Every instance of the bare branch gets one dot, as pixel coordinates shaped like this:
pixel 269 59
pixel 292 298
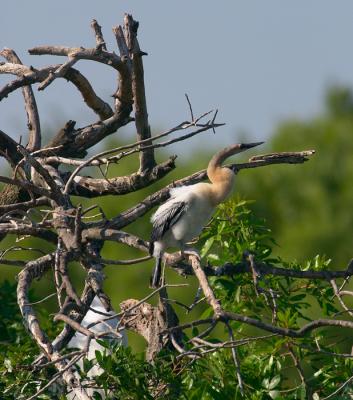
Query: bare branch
pixel 93 101
pixel 101 45
pixel 125 262
pixel 33 122
pixel 26 205
pixel 35 270
pixel 8 149
pixel 75 325
pixel 190 107
pixel 91 187
pixel 115 235
pixel 300 370
pixel 27 186
pixel 236 360
pixel 299 333
pixel 121 42
pixel 135 149
pixel 79 53
pixel 338 295
pixel 339 389
pixel 143 130
pixel 124 93
pixel 209 294
pixel 269 269
pixel 56 192
pixel 27 76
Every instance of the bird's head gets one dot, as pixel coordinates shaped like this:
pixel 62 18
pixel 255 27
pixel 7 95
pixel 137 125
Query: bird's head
pixel 215 165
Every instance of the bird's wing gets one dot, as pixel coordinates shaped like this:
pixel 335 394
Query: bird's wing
pixel 165 217
pixel 181 191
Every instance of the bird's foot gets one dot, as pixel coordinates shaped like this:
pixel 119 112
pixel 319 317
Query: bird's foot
pixel 191 252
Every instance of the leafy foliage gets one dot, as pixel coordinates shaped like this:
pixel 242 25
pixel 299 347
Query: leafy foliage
pixel 271 366
pixel 17 349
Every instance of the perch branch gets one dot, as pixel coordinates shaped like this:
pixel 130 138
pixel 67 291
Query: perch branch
pixel 207 290
pixel 130 215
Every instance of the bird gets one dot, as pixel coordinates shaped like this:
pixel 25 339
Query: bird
pixel 182 217
pixel 95 314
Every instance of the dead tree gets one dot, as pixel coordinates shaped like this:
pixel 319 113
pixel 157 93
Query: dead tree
pixel 37 180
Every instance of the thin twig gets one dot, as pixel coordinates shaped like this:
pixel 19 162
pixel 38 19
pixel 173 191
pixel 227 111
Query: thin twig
pixel 339 298
pixel 125 262
pixel 56 377
pixel 236 360
pixel 190 107
pixel 42 300
pixel 136 147
pixel 339 389
pixel 128 311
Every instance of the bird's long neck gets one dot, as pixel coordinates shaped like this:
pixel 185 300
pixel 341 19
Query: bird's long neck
pixel 222 186
pixel 222 178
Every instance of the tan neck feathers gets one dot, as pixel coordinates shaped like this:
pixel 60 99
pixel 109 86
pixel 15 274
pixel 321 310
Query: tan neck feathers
pixel 222 178
pixel 216 161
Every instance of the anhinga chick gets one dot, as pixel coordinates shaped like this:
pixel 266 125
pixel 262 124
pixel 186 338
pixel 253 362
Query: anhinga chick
pixel 189 208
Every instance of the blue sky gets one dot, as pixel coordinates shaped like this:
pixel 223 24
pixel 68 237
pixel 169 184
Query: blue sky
pixel 257 61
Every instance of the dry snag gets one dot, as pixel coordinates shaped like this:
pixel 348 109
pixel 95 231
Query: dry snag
pixel 38 180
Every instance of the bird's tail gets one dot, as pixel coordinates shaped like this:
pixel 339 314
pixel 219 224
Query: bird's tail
pixel 155 281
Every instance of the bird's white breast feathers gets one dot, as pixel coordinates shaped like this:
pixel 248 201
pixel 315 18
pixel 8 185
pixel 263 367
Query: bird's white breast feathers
pixel 198 210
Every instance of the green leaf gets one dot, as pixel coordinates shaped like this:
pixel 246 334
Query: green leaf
pixel 274 394
pixel 99 358
pixel 8 365
pixel 298 297
pixel 274 382
pixel 265 383
pixel 206 247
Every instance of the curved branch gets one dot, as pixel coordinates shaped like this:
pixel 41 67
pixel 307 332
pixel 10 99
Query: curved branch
pixel 28 76
pixel 33 122
pixel 94 102
pixel 34 270
pixel 91 187
pixel 295 333
pixel 124 93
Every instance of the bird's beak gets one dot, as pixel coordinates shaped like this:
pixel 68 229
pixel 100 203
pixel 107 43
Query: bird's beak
pixel 243 147
pixel 246 146
pixel 233 168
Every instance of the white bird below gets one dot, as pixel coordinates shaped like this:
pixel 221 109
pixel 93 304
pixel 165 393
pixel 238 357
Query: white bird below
pixel 96 313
